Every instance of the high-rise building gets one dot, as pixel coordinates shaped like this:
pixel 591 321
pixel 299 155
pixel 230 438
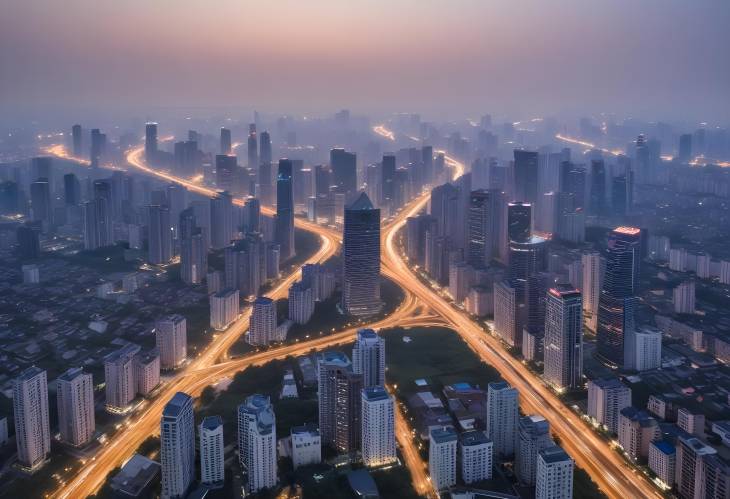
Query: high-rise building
pixel 30 410
pixel 253 151
pixel 617 300
pixel 644 351
pixel 378 427
pixel 265 148
pixel 212 459
pixel 691 451
pixel 663 461
pixel 221 220
pixel 606 399
pixel 226 172
pixel 98 147
pixel 636 430
pixel 177 446
pixel 160 233
pixel 368 358
pixel 224 308
pixel 71 190
pixel 262 328
pixel 508 318
pixel 119 378
pixel 40 201
pixel 361 258
pixel 442 457
pixel 171 338
pixel 301 303
pixel 481 232
pixel 476 456
pixel 150 142
pixel 554 479
pixel 257 442
pixel 525 176
pixel 563 338
pixel 285 210
pixel 226 141
pixel 147 371
pixel 193 248
pixel 592 265
pixel 534 436
pixel 75 397
pixel 683 297
pixel 598 187
pixel 339 402
pixel 97 224
pixel 344 171
pixel 502 417
pixel 306 445
pixel 77 140
pixel 685 148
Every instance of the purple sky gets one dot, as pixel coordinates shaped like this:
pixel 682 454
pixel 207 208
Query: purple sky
pixel 663 59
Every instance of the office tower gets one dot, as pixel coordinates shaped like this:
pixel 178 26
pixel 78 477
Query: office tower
pixel 387 172
pixel 617 300
pixel 119 378
pixel 146 371
pixel 344 171
pixel 226 171
pixel 224 308
pixel 150 142
pixel 685 148
pixel 378 427
pixel 645 349
pixel 98 146
pixel 30 411
pixel 534 436
pixel 476 456
pixel 563 338
pixel 606 399
pixel 71 190
pixel 301 303
pixel 592 265
pixel 427 163
pixel 636 430
pixel 285 210
pixel 160 234
pixel 212 459
pixel 40 201
pixel 519 222
pixel 480 231
pixel 265 147
pixel 29 246
pixel 620 195
pixel 221 220
pixel 193 248
pixel 502 417
pixel 663 461
pixel 262 328
pixel 507 314
pixel 598 187
pixel 554 479
pixel 339 402
pixel 97 224
pixel 361 259
pixel 177 446
pixel 573 184
pixel 306 445
pixel 253 151
pixel 525 176
pixel 442 457
pixel 368 358
pixel 226 141
pixel 257 442
pixel 75 397
pixel 171 338
pixel 77 140
pixel 691 451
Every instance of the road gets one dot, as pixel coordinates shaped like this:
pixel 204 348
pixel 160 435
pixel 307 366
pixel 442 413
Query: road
pixel 605 466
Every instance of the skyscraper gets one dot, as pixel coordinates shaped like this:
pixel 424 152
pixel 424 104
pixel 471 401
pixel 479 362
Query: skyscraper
pixel 563 338
pixel 71 190
pixel 98 147
pixel 685 148
pixel 75 398
pixel 119 378
pixel 150 142
pixel 554 478
pixel 481 235
pixel 592 264
pixel 224 308
pixel 160 234
pixel 525 176
pixel 77 140
pixel 262 329
pixel 519 222
pixel 226 171
pixel 97 224
pixel 476 456
pixel 301 303
pixel 344 171
pixel 502 417
pixel 212 470
pixel 177 446
pixel 378 427
pixel 339 402
pixel 606 399
pixel 617 300
pixel 534 436
pixel 368 358
pixel 508 314
pixel 285 210
pixel 40 201
pixel 253 151
pixel 361 258
pixel 30 410
pixel 265 147
pixel 171 340
pixel 225 141
pixel 598 187
pixel 193 248
pixel 221 220
pixel 257 442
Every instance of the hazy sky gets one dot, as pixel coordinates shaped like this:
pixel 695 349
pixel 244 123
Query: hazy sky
pixel 650 58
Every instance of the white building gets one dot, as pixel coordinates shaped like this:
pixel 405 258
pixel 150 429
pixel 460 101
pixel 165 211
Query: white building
pixel 476 456
pixel 554 479
pixel 212 470
pixel 502 417
pixel 563 346
pixel 320 279
pixel 147 371
pixel 704 261
pixel 442 457
pixel 171 338
pixel 480 301
pixel 262 327
pixel 75 397
pixel 646 351
pixel 30 410
pixel 378 427
pixel 678 259
pixel 368 358
pixel 257 442
pixel 506 324
pixel 461 276
pixel 121 386
pixel 636 430
pixel 289 387
pixel 692 423
pixel 177 446
pixel 224 307
pixel 301 303
pixel 593 266
pixel 606 399
pixel 31 274
pixel 306 445
pixel 684 298
pixel 534 436
pixel 662 461
pixel 725 271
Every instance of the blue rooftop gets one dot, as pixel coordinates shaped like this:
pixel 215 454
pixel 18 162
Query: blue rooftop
pixel 664 447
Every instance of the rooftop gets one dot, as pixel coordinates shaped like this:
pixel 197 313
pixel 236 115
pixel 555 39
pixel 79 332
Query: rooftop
pixel 374 393
pixel 664 447
pixel 474 437
pixel 554 454
pixel 444 434
pixel 135 476
pixel 212 422
pixel 177 403
pixel 361 203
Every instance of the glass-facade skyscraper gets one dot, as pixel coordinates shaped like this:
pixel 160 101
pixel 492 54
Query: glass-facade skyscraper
pixel 361 258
